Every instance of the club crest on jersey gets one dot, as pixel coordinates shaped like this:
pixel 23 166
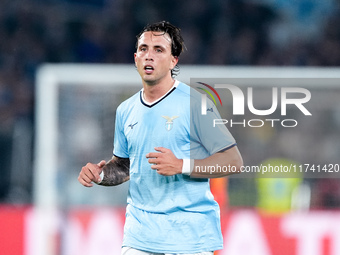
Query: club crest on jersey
pixel 169 122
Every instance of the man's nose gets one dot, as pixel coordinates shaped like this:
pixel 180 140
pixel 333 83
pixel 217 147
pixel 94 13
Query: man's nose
pixel 149 56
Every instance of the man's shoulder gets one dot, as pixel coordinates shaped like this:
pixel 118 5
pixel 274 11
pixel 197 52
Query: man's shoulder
pixel 188 91
pixel 129 102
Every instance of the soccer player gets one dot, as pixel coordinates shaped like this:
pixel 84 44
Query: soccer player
pixel 162 143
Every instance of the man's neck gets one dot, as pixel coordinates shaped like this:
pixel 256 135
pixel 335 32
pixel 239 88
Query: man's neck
pixel 154 92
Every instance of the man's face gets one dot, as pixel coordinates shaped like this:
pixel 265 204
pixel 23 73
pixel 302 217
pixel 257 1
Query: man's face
pixel 153 57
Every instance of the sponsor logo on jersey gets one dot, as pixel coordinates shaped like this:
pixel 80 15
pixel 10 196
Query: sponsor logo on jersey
pixel 132 125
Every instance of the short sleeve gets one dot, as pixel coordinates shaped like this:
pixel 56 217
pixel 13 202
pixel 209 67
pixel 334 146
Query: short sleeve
pixel 213 138
pixel 120 145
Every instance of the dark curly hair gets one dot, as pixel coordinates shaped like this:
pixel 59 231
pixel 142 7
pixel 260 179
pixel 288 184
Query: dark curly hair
pixel 177 42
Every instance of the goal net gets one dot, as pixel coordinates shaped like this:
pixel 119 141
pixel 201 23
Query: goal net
pixel 75 118
pixel 75 114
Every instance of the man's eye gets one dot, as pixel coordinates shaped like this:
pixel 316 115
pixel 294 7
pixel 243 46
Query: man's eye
pixel 158 50
pixel 143 49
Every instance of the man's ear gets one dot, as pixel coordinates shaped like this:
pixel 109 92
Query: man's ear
pixel 174 62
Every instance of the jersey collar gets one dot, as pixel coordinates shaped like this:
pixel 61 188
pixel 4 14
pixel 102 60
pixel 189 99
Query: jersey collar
pixel 150 104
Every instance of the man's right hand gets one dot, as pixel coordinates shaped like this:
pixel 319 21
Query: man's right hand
pixel 90 173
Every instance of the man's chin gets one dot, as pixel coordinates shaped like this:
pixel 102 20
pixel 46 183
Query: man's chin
pixel 149 80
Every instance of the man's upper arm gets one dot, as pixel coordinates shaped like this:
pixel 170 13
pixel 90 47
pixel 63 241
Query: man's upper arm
pixel 120 145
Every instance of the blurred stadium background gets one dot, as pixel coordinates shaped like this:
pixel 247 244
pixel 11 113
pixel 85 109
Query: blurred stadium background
pixel 233 33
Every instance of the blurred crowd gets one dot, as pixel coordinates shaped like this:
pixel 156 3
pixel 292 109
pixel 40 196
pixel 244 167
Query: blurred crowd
pixel 216 32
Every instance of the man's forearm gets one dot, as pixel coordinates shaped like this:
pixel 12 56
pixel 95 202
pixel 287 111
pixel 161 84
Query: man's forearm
pixel 116 171
pixel 229 161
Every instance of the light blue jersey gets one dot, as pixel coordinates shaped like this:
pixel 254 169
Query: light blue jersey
pixel 169 214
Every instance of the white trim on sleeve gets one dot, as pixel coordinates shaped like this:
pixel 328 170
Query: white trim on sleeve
pixel 188 166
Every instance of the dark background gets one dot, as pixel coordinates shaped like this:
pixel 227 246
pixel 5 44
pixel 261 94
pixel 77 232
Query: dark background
pixel 216 32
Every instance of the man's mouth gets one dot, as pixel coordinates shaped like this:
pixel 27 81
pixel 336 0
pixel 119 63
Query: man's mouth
pixel 148 69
